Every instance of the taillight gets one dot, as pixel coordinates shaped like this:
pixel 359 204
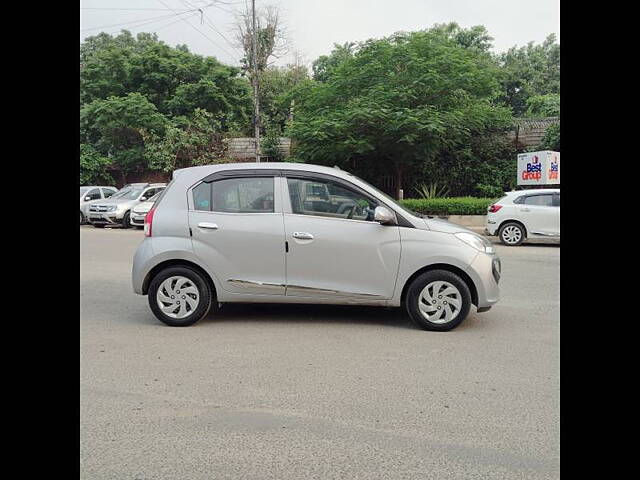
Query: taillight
pixel 494 208
pixel 148 222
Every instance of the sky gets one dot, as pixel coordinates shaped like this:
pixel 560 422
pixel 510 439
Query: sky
pixel 312 27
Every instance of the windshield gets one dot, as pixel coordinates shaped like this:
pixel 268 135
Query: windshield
pixel 83 190
pixel 128 193
pixel 391 200
pixel 155 197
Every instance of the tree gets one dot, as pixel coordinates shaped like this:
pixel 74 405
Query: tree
pixel 175 80
pixel 551 139
pixel 277 87
pixel 399 104
pixel 529 71
pixel 134 85
pixel 543 106
pixel 93 167
pixel 323 66
pixel 186 142
pixel 114 128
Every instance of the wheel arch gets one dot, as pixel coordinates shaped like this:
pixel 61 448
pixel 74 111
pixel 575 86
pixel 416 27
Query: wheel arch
pixel 442 266
pixel 177 262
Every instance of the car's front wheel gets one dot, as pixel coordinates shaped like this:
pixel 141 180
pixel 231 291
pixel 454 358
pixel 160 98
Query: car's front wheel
pixel 438 300
pixel 511 234
pixel 179 296
pixel 126 220
pixel 81 218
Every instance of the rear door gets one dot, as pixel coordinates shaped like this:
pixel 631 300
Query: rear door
pixel 539 215
pixel 335 249
pixel 238 231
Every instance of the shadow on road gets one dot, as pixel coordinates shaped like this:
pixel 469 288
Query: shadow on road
pixel 294 313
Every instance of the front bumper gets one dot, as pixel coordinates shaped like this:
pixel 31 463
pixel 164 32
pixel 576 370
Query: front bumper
pixel 103 218
pixel 485 271
pixel 137 219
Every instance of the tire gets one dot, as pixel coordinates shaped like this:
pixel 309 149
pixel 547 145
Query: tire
pixel 165 284
pixel 419 295
pixel 82 219
pixel 511 234
pixel 126 220
pixel 98 225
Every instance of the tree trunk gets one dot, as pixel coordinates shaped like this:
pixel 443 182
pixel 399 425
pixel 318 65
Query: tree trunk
pixel 398 181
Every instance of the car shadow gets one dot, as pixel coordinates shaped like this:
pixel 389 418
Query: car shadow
pixel 303 313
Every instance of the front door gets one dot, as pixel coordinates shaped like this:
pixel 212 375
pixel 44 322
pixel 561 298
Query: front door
pixel 238 232
pixel 335 249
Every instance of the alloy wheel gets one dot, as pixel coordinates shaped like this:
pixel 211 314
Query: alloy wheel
pixel 178 297
pixel 440 302
pixel 511 234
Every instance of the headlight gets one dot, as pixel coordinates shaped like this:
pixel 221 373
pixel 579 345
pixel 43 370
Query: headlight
pixel 111 208
pixel 476 241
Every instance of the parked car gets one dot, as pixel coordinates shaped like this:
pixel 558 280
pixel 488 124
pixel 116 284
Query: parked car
pixel 525 214
pixel 89 193
pixel 140 211
pixel 252 232
pixel 117 211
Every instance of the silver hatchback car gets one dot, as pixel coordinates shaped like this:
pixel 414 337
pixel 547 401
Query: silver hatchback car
pixel 299 233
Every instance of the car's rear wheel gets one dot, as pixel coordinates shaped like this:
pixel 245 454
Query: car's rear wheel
pixel 511 234
pixel 179 296
pixel 438 300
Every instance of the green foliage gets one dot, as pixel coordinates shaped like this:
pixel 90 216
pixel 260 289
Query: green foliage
pixel 432 190
pixel 114 127
pixel 449 206
pixel 551 140
pixel 543 106
pixel 133 88
pixel 93 167
pixel 405 102
pixel 277 90
pixel 270 144
pixel 325 64
pixel 185 142
pixel 530 71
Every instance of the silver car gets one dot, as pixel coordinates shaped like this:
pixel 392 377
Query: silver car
pixel 117 210
pixel 89 193
pixel 140 211
pixel 299 233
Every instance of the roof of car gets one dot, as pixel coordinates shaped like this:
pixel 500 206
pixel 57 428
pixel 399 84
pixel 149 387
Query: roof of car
pixel 209 169
pixel 533 190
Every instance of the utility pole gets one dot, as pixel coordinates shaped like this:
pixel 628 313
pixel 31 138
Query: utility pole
pixel 256 90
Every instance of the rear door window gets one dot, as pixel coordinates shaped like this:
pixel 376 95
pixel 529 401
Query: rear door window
pixel 235 195
pixel 545 200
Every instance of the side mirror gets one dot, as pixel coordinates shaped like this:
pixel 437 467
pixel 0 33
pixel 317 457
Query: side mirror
pixel 86 199
pixel 384 216
pixel 143 199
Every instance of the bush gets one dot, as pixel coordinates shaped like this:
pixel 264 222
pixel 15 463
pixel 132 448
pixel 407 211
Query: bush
pixel 448 206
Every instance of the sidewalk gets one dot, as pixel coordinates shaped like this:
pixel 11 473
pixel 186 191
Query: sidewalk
pixel 494 239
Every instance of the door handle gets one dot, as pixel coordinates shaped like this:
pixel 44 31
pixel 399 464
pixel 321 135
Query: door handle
pixel 302 236
pixel 210 226
pixel 525 210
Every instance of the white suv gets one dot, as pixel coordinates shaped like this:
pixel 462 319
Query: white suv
pixel 525 214
pixel 299 233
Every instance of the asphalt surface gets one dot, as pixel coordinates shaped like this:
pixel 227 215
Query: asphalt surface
pixel 304 392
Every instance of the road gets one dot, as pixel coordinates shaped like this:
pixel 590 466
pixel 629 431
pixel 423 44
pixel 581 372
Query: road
pixel 304 392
